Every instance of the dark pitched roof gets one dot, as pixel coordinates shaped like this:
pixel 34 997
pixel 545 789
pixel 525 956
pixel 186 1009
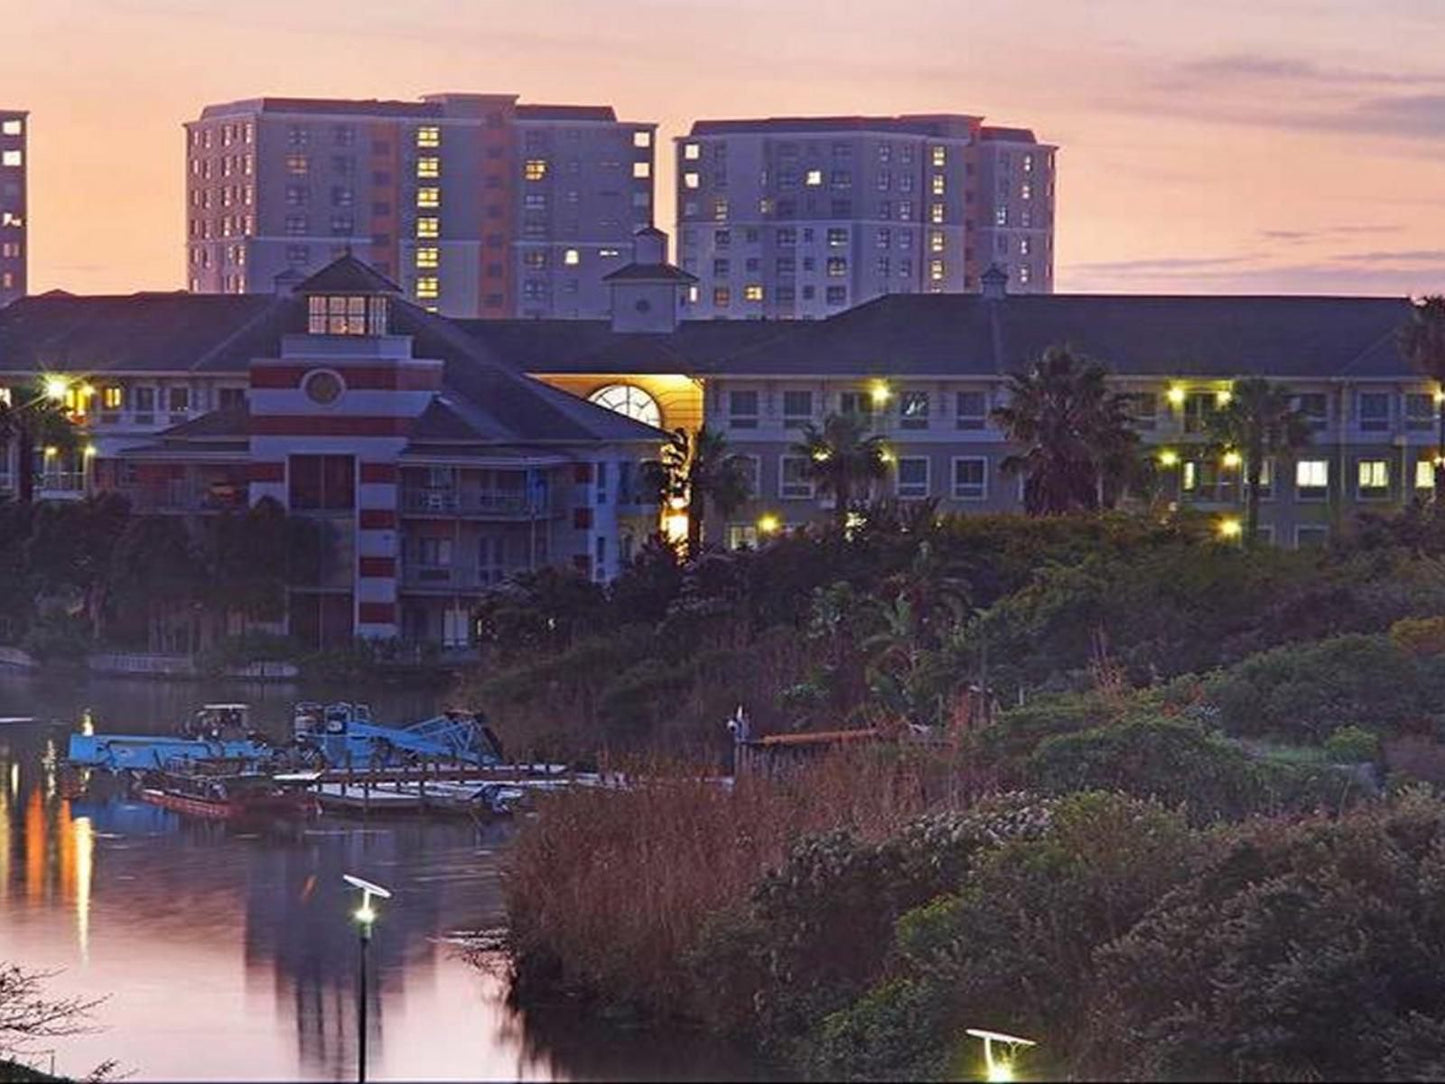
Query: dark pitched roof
pixel 649 272
pixel 228 423
pixel 347 275
pixel 147 332
pixel 1006 135
pixel 964 334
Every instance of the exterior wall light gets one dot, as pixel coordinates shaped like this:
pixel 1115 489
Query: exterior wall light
pixel 1168 458
pixel 769 524
pixel 1230 528
pixel 1175 395
pixel 880 392
pixel 1232 459
pixel 56 388
pixel 1222 398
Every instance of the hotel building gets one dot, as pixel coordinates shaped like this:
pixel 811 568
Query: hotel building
pixel 14 240
pixel 801 218
pixel 445 455
pixel 475 204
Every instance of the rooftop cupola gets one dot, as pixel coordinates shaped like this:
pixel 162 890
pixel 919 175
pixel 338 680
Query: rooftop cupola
pixel 649 294
pixel 347 297
pixel 994 283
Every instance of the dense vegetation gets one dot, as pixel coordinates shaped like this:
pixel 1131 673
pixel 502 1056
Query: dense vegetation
pixel 1192 835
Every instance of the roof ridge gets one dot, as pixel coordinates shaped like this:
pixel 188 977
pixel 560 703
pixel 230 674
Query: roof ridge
pixel 262 312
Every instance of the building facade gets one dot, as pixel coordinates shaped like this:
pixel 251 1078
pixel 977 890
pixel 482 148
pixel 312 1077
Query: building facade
pixel 801 218
pixel 441 456
pixel 476 204
pixel 14 237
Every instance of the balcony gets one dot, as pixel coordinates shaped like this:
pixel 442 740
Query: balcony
pixel 182 496
pixel 479 503
pixel 450 577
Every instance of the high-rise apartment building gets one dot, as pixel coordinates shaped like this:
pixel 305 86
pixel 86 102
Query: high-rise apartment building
pixel 476 204
pixel 14 242
pixel 798 218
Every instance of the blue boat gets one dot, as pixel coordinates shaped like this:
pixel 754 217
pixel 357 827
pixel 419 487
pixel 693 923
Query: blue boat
pixel 344 735
pixel 340 735
pixel 217 732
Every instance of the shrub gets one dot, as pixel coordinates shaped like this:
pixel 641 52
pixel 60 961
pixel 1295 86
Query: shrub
pixel 1419 635
pixel 1302 951
pixel 1353 745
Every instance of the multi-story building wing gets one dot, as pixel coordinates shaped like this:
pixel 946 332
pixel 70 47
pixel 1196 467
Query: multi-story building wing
pixel 476 204
pixel 1015 229
pixel 14 239
pixel 788 218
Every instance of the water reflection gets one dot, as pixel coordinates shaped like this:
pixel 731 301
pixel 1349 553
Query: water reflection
pixel 229 954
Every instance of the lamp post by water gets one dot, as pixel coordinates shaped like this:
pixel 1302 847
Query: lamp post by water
pixel 998 1068
pixel 365 915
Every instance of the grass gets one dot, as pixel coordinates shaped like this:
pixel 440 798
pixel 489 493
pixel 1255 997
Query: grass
pixel 609 890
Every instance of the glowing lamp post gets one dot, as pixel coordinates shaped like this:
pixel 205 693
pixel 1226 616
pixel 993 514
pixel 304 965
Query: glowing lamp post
pixel 365 915
pixel 998 1068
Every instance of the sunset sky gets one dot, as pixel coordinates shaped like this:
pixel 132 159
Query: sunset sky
pixel 1237 146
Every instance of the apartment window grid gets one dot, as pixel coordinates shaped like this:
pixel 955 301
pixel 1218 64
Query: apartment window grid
pixel 1312 479
pixel 793 480
pixel 911 481
pixel 1374 411
pixel 913 409
pixel 971 410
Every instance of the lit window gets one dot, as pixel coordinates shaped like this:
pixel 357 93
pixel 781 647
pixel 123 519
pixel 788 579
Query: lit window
pixel 630 401
pixel 609 253
pixel 753 292
pixel 427 286
pixel 938 184
pixel 691 152
pixel 12 158
pixel 1000 216
pixel 641 170
pixel 1023 274
pixel 427 256
pixel 427 228
pixel 935 213
pixel 837 266
pixel 428 197
pixel 429 135
pixel 430 166
pixel 935 240
pixel 1424 474
pixel 720 208
pixel 1312 477
pixel 935 270
pixel 571 257
pixel 913 410
pixel 1027 191
pixel 721 297
pixel 534 169
pixel 689 180
pixel 1023 246
pixel 815 177
pixel 641 138
pixel 1028 163
pixel 940 155
pixel 13 127
pixel 1374 476
pixel 111 398
pixel 297 164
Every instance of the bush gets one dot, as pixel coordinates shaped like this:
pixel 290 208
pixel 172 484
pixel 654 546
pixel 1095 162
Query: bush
pixel 1013 949
pixel 58 637
pixel 1306 951
pixel 1353 745
pixel 1303 693
pixel 1419 635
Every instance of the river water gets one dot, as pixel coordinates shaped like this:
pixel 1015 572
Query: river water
pixel 225 955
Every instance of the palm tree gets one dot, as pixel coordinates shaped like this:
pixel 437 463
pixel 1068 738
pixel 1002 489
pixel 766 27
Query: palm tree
pixel 841 459
pixel 695 469
pixel 1077 437
pixel 31 419
pixel 1422 340
pixel 1259 421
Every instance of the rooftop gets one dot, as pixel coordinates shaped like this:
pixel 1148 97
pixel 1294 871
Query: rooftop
pixel 932 124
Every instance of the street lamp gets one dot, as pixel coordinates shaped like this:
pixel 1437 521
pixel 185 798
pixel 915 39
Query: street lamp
pixel 1000 1069
pixel 365 915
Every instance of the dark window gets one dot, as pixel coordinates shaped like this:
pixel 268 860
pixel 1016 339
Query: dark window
pixel 322 483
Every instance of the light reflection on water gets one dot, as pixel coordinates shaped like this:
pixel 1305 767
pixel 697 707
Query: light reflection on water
pixel 229 955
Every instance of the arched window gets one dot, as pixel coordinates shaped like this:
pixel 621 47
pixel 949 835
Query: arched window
pixel 630 401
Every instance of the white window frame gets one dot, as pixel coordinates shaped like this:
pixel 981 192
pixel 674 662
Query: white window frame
pixel 737 420
pixel 784 484
pixel 1375 493
pixel 959 419
pixel 954 485
pixel 927 484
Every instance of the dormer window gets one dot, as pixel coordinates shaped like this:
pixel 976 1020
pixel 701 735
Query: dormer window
pixel 346 314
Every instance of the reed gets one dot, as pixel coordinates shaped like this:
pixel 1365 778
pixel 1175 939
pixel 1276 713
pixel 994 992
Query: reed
pixel 608 890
